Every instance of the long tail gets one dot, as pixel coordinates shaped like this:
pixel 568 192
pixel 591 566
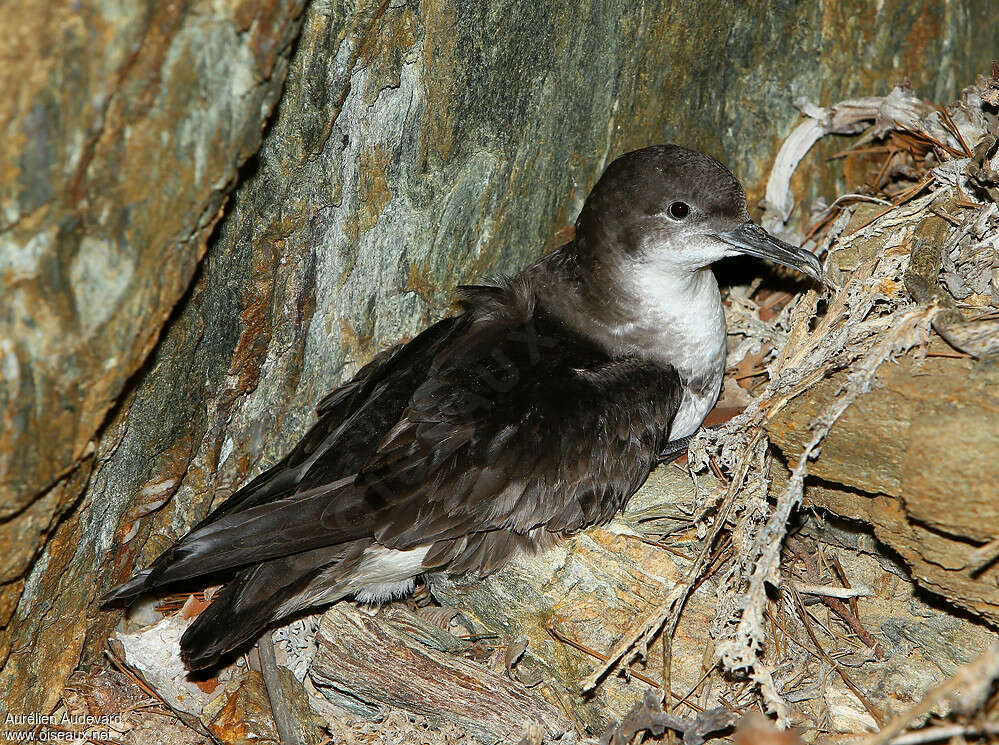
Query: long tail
pixel 256 598
pixel 322 517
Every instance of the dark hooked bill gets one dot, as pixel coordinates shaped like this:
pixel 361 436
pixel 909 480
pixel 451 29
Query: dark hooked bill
pixel 750 238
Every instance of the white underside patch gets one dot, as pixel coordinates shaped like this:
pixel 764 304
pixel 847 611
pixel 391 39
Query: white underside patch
pixel 685 310
pixel 383 592
pixel 386 573
pixel 693 409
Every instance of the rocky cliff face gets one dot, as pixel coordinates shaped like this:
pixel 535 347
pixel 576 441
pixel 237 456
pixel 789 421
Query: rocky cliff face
pixel 149 369
pixel 124 127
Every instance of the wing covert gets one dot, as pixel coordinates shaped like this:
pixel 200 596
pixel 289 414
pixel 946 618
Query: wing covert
pixel 528 427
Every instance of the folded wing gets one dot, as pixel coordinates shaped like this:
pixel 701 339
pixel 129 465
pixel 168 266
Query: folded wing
pixel 478 438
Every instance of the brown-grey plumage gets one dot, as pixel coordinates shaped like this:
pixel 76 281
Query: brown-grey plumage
pixel 535 413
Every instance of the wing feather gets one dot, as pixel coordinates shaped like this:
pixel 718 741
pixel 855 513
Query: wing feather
pixel 352 420
pixel 472 438
pixel 518 438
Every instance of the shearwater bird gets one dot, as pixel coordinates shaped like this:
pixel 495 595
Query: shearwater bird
pixel 534 413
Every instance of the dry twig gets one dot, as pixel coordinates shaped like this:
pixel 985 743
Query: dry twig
pixel 967 690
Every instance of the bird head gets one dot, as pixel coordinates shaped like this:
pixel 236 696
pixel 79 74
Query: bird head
pixel 675 210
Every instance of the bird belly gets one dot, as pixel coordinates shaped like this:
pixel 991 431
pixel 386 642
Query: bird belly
pixel 698 355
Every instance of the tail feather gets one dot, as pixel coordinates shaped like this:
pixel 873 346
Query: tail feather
pixel 256 598
pixel 314 519
pixel 127 590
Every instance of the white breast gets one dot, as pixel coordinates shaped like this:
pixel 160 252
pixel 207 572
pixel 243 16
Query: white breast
pixel 684 314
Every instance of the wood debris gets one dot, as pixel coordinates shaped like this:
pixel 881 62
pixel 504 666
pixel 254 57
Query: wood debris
pixel 892 285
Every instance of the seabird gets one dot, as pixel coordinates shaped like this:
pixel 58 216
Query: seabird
pixel 533 414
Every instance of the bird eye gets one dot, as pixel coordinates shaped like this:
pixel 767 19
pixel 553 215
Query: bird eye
pixel 678 210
